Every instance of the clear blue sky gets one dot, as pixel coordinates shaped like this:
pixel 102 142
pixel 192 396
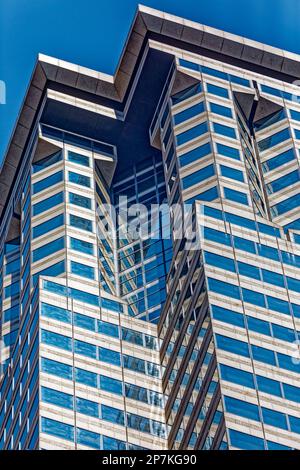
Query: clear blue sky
pixel 92 33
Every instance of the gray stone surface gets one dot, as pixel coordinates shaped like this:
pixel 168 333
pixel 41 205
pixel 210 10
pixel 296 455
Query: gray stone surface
pixel 191 35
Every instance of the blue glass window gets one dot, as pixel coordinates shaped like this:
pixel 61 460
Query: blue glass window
pixel 85 349
pixel 111 385
pixel 109 356
pixel 224 288
pixel 47 161
pixel 274 418
pixel 227 316
pixel 81 223
pixel 279 160
pixel 248 270
pixel 81 180
pixel 263 355
pixel 268 386
pixel 232 173
pixel 88 438
pixel 222 110
pixel 52 367
pixel 47 182
pixel 48 203
pixel 198 176
pixel 244 441
pixel 80 201
pixel 113 415
pixel 189 113
pixel 219 261
pixel 241 408
pixel 87 407
pixel 82 270
pixel 57 313
pixel 217 236
pixel 217 90
pixel 237 376
pixel 233 345
pixel 78 158
pixel 192 133
pixel 48 249
pixel 187 93
pixel 194 155
pixel 64 400
pixel 57 340
pixel 55 428
pixel 236 196
pixel 81 246
pixel 227 151
pixel 273 140
pixel 85 377
pixel 224 130
pixel 47 226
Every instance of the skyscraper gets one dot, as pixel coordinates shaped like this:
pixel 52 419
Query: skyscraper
pixel 111 339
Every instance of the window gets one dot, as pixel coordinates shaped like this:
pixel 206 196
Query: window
pixel 244 441
pixel 48 249
pixel 198 176
pixel 241 408
pixel 55 428
pixel 78 158
pixel 273 140
pixel 64 400
pixel 52 367
pixel 88 438
pixel 227 151
pixel 217 90
pixel 54 270
pixel 80 201
pixel 189 113
pixel 219 261
pixel 227 316
pixel 194 155
pixel 56 340
pixel 81 180
pixel 47 182
pixel 208 195
pixel 274 418
pixel 81 246
pixel 279 160
pixel 237 376
pixel 221 129
pixel 85 377
pixel 283 182
pixel 232 173
pixel 217 236
pixel 113 415
pixel 83 270
pixel 47 226
pixel 187 93
pixel 233 345
pixel 47 161
pixel 48 203
pixel 268 386
pixel 192 133
pixel 236 196
pixel 81 223
pixel 57 313
pixel 108 329
pixel 222 110
pixel 111 385
pixel 224 288
pixel 109 356
pixel 87 407
pixel 85 349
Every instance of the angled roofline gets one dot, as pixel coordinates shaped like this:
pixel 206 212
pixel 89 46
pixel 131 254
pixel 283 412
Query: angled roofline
pixel 147 21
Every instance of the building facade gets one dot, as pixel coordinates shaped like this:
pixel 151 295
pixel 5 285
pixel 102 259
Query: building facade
pixel 115 340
